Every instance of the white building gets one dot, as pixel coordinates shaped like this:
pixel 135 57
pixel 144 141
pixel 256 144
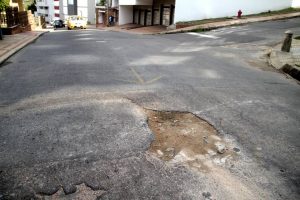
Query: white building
pixel 48 8
pixel 167 12
pixel 204 9
pixel 147 12
pixel 84 8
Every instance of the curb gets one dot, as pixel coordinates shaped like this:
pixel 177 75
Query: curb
pixel 20 47
pixel 287 68
pixel 211 26
pixel 292 70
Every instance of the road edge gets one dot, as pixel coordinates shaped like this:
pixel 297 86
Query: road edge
pixel 15 50
pixel 216 25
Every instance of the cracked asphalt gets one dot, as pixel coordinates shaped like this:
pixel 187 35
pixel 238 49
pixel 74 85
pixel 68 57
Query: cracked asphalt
pixel 72 113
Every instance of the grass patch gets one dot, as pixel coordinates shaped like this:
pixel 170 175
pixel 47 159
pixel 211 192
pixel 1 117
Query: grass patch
pixel 277 12
pixel 263 14
pixel 297 38
pixel 205 21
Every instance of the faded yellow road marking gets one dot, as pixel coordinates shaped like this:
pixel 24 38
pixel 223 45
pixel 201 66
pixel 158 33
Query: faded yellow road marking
pixel 127 81
pixel 141 80
pixel 153 80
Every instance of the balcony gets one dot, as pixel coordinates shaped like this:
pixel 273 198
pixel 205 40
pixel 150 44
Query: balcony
pixel 42 3
pixel 42 10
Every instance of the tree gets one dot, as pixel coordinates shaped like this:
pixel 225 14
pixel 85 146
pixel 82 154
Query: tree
pixel 32 7
pixel 3 4
pixel 102 2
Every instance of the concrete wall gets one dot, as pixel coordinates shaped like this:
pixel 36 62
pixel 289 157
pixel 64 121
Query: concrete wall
pixel 187 10
pixel 63 9
pixel 86 8
pixel 125 15
pixel 91 11
pixel 296 4
pixel 82 9
pixel 135 2
pixel 115 3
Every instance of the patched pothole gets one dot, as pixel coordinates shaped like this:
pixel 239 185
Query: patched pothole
pixel 185 138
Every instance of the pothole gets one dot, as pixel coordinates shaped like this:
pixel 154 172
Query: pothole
pixel 185 138
pixel 82 192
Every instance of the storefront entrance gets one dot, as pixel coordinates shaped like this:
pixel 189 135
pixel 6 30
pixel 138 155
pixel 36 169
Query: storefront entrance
pixel 161 14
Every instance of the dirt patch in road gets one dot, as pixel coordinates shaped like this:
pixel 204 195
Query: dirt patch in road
pixel 262 65
pixel 185 138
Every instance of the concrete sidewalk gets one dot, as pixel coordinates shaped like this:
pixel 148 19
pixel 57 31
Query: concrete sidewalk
pixel 136 29
pixel 215 25
pixel 158 29
pixel 13 43
pixel 287 62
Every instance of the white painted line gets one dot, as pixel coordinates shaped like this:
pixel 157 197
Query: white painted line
pixel 203 35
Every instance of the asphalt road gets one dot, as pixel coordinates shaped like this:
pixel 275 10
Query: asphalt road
pixel 71 112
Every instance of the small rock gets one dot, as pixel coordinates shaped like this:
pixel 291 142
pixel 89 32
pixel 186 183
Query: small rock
pixel 258 148
pixel 171 27
pixel 211 152
pixel 69 189
pixel 221 148
pixel 185 132
pixel 170 152
pixel 160 153
pixel 236 149
pixel 205 139
pixel 206 195
pixel 169 149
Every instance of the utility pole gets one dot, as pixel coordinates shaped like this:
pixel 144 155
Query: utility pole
pixel 107 10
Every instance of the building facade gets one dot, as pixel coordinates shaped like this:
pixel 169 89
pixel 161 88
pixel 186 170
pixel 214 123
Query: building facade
pixel 205 9
pixel 147 12
pixel 167 12
pixel 84 8
pixel 45 8
pixel 104 9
